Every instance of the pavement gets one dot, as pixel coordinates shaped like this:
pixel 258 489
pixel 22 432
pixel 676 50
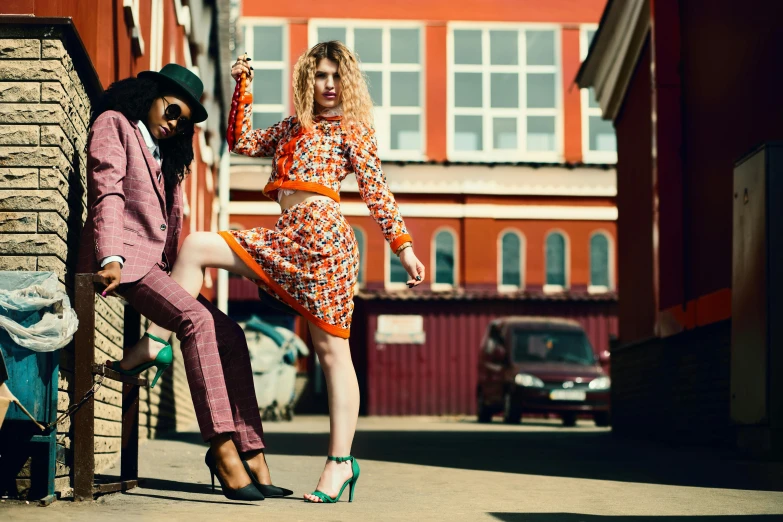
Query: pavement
pixel 451 469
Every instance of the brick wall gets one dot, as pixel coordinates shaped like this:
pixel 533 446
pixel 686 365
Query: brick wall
pixel 44 118
pixel 675 389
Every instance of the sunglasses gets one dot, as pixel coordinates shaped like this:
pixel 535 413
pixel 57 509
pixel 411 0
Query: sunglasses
pixel 174 112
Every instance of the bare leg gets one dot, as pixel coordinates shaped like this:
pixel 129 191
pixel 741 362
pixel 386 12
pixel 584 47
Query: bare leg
pixel 227 461
pixel 200 250
pixel 343 390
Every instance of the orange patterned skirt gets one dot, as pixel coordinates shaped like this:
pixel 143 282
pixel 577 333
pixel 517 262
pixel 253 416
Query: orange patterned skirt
pixel 310 261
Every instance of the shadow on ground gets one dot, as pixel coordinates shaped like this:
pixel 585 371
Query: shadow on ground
pixel 575 517
pixel 569 453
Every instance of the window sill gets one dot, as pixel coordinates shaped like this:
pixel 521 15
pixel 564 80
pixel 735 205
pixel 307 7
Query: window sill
pixel 595 157
pixel 554 289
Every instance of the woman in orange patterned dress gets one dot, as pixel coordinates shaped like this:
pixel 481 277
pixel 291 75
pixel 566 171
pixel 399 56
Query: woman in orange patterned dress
pixel 310 260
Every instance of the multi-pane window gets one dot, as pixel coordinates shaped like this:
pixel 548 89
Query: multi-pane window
pixel 445 266
pixel 504 94
pixel 599 144
pixel 599 262
pixel 511 256
pixel 556 259
pixel 397 275
pixel 359 235
pixel 266 45
pixel 391 60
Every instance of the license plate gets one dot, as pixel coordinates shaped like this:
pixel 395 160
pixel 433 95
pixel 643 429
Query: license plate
pixel 567 395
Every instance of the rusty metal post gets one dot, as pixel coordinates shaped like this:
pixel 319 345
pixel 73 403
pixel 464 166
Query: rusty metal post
pixel 129 460
pixel 84 419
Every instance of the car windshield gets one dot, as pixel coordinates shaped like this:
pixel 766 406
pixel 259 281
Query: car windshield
pixel 533 346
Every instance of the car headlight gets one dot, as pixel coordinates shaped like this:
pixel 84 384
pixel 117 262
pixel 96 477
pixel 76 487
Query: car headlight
pixel 600 383
pixel 528 381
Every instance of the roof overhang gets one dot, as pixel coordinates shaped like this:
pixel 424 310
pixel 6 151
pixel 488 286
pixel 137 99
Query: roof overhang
pixel 614 52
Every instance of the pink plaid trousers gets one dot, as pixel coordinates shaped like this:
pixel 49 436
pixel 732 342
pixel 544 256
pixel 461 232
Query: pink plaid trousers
pixel 217 360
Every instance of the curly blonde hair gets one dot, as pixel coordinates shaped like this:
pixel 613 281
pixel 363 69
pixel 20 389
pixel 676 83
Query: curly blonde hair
pixel 355 97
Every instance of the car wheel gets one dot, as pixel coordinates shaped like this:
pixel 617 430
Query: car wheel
pixel 569 420
pixel 602 419
pixel 484 414
pixel 512 414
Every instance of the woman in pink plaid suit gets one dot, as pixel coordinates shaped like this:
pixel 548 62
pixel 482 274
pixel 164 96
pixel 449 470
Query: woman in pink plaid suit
pixel 139 150
pixel 309 261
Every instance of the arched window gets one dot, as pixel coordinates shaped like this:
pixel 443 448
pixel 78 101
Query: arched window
pixel 397 273
pixel 511 260
pixel 556 261
pixel 445 266
pixel 359 234
pixel 599 262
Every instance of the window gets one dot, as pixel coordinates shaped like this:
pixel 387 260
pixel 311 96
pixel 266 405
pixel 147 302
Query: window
pixel 504 94
pixel 444 250
pixel 391 59
pixel 265 42
pixel 359 234
pixel 396 276
pixel 556 262
pixel 511 256
pixel 600 279
pixel 599 144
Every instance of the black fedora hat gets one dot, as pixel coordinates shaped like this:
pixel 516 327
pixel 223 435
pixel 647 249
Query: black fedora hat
pixel 184 83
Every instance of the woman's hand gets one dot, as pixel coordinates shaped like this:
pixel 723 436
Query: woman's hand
pixel 413 266
pixel 109 276
pixel 242 66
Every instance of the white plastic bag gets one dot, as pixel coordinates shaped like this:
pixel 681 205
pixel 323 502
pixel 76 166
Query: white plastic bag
pixel 31 291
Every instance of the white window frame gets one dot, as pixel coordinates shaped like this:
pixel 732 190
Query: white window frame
pixel 246 24
pixel 488 154
pixel 383 114
pixel 600 289
pixel 388 285
pixel 522 249
pixel 440 287
pixel 590 156
pixel 156 34
pixel 554 289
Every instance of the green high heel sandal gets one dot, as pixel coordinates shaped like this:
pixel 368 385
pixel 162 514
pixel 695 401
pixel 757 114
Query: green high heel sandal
pixel 351 481
pixel 162 361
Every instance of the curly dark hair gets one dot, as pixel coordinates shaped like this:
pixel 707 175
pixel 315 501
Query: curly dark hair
pixel 133 97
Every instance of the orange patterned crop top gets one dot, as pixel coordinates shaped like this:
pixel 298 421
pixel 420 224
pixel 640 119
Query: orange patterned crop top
pixel 318 161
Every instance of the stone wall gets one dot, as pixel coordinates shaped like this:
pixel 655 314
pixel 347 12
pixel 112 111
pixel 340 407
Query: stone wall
pixel 44 119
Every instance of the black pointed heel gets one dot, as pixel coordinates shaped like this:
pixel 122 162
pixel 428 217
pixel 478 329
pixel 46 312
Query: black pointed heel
pixel 247 493
pixel 268 491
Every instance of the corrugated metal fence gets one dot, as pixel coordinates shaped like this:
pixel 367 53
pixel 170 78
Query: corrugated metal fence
pixel 439 376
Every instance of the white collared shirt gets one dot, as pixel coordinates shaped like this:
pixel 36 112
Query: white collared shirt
pixel 152 143
pixel 152 146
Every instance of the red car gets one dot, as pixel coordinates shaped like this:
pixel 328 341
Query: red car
pixel 540 365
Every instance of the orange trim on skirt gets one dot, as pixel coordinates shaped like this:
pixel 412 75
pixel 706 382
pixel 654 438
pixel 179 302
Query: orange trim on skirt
pixel 279 290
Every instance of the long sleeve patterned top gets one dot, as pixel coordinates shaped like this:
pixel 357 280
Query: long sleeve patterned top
pixel 318 161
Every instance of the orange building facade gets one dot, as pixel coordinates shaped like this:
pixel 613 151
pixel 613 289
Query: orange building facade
pixel 486 141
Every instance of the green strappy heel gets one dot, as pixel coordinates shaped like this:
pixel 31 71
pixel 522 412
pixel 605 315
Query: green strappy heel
pixel 351 481
pixel 162 361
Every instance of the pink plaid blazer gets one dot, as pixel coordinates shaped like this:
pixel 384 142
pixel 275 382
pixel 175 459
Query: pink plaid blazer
pixel 127 214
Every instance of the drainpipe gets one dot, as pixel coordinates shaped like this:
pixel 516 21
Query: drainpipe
pixel 224 176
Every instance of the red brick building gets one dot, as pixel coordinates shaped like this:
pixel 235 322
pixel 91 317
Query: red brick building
pixel 691 87
pixel 503 168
